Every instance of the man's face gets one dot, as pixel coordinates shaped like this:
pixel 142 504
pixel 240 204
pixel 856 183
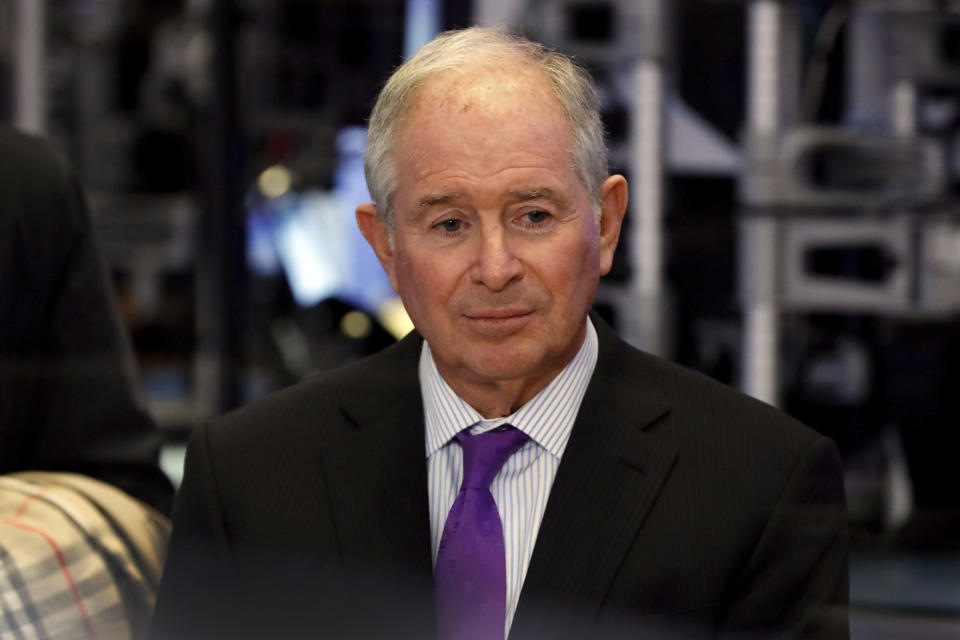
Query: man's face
pixel 496 251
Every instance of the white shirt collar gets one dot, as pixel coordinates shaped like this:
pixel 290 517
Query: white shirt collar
pixel 547 418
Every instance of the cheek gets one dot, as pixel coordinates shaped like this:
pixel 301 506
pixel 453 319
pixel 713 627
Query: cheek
pixel 425 281
pixel 572 275
pixel 576 258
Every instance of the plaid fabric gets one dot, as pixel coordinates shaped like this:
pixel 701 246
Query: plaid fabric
pixel 79 559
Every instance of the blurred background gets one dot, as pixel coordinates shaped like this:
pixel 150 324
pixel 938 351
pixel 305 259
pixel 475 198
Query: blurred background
pixel 794 229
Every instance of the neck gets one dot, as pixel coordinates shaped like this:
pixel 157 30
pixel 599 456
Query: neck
pixel 499 397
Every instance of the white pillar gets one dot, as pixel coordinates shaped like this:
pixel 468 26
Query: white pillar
pixel 29 76
pixel 644 323
pixel 772 102
pixel 647 204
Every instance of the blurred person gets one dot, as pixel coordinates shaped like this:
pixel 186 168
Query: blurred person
pixel 510 468
pixel 67 396
pixel 79 558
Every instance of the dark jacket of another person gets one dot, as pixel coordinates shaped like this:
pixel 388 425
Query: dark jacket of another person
pixel 67 400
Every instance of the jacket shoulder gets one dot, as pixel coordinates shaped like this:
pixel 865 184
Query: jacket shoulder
pixel 316 406
pixel 700 409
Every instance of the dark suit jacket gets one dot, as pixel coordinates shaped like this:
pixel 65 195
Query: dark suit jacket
pixel 680 509
pixel 67 400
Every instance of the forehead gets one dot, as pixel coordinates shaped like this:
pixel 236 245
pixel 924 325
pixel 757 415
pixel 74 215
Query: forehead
pixel 482 121
pixel 482 86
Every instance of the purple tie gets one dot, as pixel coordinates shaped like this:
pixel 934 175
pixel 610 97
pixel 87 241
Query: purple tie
pixel 470 580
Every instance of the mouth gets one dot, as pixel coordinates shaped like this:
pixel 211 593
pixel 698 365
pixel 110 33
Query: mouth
pixel 499 321
pixel 498 313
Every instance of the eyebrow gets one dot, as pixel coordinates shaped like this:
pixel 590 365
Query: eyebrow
pixel 521 195
pixel 545 193
pixel 434 199
pixel 534 194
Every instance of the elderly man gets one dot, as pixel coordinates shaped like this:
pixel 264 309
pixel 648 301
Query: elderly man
pixel 510 468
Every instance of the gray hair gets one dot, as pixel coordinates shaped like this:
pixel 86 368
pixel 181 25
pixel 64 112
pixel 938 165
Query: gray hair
pixel 451 50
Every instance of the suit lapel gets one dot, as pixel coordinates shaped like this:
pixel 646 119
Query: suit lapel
pixel 609 477
pixel 376 474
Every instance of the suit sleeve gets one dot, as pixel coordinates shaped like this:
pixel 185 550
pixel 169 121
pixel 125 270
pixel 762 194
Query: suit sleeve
pixel 196 592
pixel 795 583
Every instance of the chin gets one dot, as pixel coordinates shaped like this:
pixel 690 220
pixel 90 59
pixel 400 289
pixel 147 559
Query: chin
pixel 497 365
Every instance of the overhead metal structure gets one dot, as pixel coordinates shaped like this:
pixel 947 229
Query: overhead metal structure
pixel 849 218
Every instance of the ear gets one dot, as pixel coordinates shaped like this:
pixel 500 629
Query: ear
pixel 613 206
pixel 377 234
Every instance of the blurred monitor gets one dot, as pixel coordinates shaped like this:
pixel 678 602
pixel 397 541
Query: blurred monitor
pixel 312 237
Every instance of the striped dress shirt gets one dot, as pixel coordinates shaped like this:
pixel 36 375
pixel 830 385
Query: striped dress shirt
pixel 522 486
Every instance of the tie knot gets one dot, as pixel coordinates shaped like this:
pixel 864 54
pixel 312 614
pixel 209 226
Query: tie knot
pixel 485 453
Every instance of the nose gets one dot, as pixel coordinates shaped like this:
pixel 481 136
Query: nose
pixel 497 264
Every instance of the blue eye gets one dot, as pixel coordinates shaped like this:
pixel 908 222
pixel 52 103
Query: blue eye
pixel 537 216
pixel 451 225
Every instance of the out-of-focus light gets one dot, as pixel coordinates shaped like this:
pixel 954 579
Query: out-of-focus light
pixel 421 24
pixel 394 318
pixel 275 181
pixel 356 324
